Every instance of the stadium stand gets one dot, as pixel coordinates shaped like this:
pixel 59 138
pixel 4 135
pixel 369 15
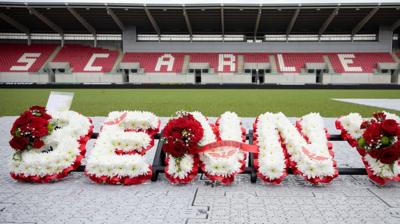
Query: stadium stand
pixel 255 57
pixel 235 43
pixel 358 62
pixel 156 62
pixel 24 58
pixel 87 59
pixel 294 62
pixel 220 62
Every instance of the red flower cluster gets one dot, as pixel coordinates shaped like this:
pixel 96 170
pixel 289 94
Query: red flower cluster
pixel 182 135
pixel 29 128
pixel 381 138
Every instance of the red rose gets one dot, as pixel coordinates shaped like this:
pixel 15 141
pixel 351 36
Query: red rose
pixel 37 110
pixel 390 154
pixel 37 143
pixel 40 111
pixel 182 135
pixel 375 153
pixel 373 133
pixel 364 124
pixel 19 143
pixel 390 126
pixel 380 116
pixel 46 116
pixel 40 132
pixel 176 149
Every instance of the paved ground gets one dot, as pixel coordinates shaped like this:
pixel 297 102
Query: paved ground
pixel 393 104
pixel 349 199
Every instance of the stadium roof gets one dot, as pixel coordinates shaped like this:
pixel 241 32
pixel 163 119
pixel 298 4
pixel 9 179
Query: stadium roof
pixel 251 18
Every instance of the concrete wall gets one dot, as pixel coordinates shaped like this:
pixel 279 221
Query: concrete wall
pixel 128 37
pixel 289 78
pixel 226 78
pixel 167 78
pixel 355 78
pixel 89 78
pixel 23 77
pixel 161 78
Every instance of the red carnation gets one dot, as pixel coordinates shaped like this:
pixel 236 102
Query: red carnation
pixel 373 133
pixel 390 126
pixel 19 143
pixel 390 154
pixel 37 143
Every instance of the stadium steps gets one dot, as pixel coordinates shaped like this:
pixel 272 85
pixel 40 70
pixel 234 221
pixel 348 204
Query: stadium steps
pixel 185 65
pixel 274 68
pixel 51 57
pixel 240 68
pixel 117 61
pixel 328 62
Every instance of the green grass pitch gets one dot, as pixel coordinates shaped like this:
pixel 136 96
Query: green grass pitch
pixel 212 102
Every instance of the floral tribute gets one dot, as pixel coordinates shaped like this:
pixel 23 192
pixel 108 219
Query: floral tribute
pixel 118 156
pixel 304 148
pixel 48 146
pixel 377 141
pixel 192 141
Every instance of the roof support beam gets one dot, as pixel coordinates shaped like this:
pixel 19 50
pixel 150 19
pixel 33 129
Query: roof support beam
pixel 364 21
pixel 17 25
pixel 328 21
pixel 292 22
pixel 222 23
pixel 84 23
pixel 152 21
pixel 395 25
pixel 48 22
pixel 116 19
pixel 187 21
pixel 257 23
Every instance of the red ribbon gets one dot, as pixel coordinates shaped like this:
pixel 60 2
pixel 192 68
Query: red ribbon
pixel 118 120
pixel 228 143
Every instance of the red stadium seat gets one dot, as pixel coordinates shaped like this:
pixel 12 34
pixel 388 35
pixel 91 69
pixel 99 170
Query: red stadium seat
pixel 157 62
pixel 255 57
pixel 87 59
pixel 228 61
pixel 24 58
pixel 294 62
pixel 357 62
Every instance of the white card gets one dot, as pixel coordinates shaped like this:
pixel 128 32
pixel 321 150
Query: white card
pixel 59 101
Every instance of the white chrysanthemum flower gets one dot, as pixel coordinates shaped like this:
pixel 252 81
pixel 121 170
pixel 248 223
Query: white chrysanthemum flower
pixel 182 168
pixel 313 159
pixel 230 128
pixel 103 161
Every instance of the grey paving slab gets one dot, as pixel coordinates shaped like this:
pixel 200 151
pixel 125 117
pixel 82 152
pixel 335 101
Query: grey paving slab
pixel 348 199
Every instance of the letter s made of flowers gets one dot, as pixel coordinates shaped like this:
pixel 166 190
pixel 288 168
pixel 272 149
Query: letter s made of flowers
pixel 48 145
